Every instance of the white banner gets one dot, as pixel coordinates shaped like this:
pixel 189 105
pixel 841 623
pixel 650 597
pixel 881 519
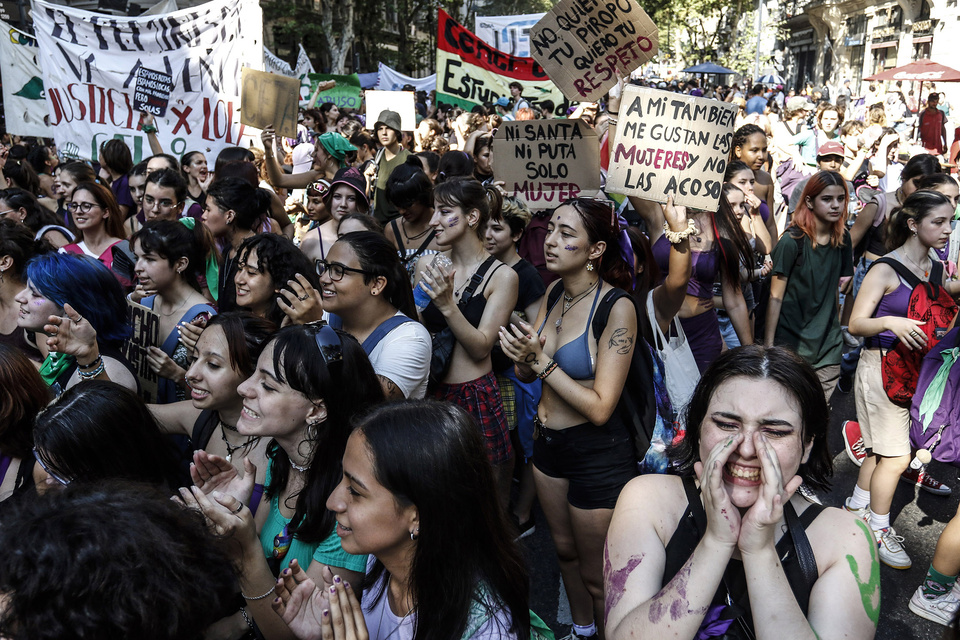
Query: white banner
pixel 276 64
pixel 90 64
pixel 510 34
pixel 23 100
pixel 392 80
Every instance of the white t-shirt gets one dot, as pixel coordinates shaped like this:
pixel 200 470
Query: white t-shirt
pixel 403 356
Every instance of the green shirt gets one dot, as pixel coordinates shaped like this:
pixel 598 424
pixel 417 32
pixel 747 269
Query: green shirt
pixel 809 315
pixel 384 210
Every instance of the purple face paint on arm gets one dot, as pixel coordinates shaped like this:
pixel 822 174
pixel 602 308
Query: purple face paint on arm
pixel 616 580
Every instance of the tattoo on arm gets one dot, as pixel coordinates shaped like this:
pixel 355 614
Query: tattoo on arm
pixel 390 389
pixel 620 341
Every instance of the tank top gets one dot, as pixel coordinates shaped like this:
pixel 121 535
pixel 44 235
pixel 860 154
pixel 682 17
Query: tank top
pixel 706 267
pixel 472 309
pixel 207 422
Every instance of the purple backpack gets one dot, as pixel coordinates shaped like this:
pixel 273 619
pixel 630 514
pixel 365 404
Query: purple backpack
pixel 935 410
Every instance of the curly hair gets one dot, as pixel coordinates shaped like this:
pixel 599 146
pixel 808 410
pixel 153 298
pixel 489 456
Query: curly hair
pixel 109 560
pixel 741 135
pixel 279 257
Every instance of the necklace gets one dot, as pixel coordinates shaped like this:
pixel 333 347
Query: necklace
pixel 167 315
pixel 926 272
pixel 231 448
pixel 301 469
pixel 386 605
pixel 403 227
pixel 458 290
pixel 570 301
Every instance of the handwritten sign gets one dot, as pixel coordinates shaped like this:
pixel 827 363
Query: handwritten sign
pixel 146 334
pixel 403 102
pixel 581 44
pixel 671 144
pixel 152 91
pixel 269 98
pixel 547 161
pixel 346 95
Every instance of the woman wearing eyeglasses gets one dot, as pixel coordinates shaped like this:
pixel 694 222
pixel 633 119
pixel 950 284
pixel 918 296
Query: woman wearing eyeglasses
pixel 583 455
pixel 367 293
pixel 310 382
pixel 99 225
pixel 462 207
pixel 22 206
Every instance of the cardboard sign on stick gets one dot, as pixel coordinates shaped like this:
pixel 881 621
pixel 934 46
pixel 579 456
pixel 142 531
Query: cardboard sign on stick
pixel 671 144
pixel 146 334
pixel 269 98
pixel 547 161
pixel 581 44
pixel 400 101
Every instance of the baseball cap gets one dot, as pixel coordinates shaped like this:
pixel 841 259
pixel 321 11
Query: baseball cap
pixel 502 102
pixel 798 102
pixel 830 148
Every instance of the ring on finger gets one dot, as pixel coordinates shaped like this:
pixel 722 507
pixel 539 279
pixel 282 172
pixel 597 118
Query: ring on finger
pixel 238 509
pixel 301 298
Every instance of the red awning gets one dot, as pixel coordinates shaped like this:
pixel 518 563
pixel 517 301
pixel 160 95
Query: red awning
pixel 922 70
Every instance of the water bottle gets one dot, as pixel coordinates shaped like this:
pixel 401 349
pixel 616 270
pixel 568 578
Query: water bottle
pixel 420 296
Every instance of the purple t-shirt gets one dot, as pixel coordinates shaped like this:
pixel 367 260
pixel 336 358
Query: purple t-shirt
pixel 121 191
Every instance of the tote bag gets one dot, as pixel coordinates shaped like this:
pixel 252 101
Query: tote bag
pixel 679 366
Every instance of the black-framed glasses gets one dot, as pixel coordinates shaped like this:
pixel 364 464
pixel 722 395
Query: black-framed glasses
pixel 84 207
pixel 336 270
pixel 43 465
pixel 329 344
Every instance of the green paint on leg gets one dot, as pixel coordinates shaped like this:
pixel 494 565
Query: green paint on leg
pixel 869 590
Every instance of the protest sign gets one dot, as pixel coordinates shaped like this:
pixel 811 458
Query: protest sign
pixel 146 334
pixel 90 64
pixel 510 34
pixel 152 91
pixel 389 79
pixel 669 144
pixel 400 101
pixel 269 99
pixel 347 93
pixel 25 108
pixel 547 161
pixel 583 43
pixel 471 72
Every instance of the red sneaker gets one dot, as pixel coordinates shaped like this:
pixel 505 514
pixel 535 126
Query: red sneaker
pixel 853 442
pixel 925 481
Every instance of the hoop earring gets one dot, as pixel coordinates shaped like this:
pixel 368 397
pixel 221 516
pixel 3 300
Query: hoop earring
pixel 414 535
pixel 590 265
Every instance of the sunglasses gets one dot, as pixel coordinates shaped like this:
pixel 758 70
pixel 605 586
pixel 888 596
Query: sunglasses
pixel 46 469
pixel 329 344
pixel 318 188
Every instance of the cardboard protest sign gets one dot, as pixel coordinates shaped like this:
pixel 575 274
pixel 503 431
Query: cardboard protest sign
pixel 146 334
pixel 25 108
pixel 403 102
pixel 346 95
pixel 583 43
pixel 671 144
pixel 547 161
pixel 152 91
pixel 269 99
pixel 471 72
pixel 90 61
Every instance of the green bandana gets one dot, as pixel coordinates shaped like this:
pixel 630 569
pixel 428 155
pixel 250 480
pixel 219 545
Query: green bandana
pixel 55 364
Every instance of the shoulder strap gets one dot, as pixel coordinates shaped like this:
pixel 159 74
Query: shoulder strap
pixel 554 295
pixel 396 229
pixel 203 429
pixel 335 321
pixel 805 557
pixel 476 279
pixel 603 310
pixel 495 269
pixel 908 276
pixel 423 245
pixel 381 332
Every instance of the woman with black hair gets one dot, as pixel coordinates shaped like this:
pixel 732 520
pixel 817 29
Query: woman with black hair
pixel 170 259
pixel 44 161
pixel 115 163
pixel 233 212
pixel 23 395
pixel 311 381
pixel 193 166
pixel 455 164
pixel 410 190
pixel 473 298
pixel 17 247
pixel 583 454
pixel 727 548
pixel 719 248
pixel 69 176
pixel 483 158
pixel 417 492
pixel 22 206
pixel 366 292
pixel 749 145
pixel 273 280
pixel 101 431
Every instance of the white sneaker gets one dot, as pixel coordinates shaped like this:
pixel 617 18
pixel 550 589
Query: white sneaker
pixel 941 609
pixel 890 549
pixel 862 513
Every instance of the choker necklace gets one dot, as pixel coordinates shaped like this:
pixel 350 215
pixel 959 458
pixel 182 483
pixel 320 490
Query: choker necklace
pixel 252 440
pixel 301 469
pixel 403 226
pixel 570 301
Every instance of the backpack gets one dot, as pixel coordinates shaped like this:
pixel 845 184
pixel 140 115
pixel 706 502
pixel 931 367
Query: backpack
pixel 637 407
pixel 935 410
pixel 929 303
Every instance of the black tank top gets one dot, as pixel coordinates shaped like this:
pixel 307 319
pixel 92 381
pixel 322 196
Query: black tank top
pixel 731 602
pixel 472 309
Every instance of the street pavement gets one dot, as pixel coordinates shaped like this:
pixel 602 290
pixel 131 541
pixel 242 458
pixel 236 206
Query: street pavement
pixel 917 515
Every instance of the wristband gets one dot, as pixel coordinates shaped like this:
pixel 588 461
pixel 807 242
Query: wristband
pixel 93 365
pixel 547 370
pixel 676 237
pixel 148 128
pixel 246 597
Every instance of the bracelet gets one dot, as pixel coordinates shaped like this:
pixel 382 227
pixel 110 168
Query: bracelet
pixel 90 375
pixel 676 237
pixel 93 365
pixel 246 618
pixel 547 370
pixel 148 128
pixel 246 597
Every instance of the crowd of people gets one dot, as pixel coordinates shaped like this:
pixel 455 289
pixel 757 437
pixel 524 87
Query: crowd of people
pixel 373 362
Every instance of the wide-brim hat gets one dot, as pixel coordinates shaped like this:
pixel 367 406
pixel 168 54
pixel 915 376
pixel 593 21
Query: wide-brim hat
pixel 351 177
pixel 389 119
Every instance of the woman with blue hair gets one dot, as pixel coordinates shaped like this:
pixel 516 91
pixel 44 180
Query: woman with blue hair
pixel 79 289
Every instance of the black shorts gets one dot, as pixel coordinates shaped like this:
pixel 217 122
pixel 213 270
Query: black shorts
pixel 597 461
